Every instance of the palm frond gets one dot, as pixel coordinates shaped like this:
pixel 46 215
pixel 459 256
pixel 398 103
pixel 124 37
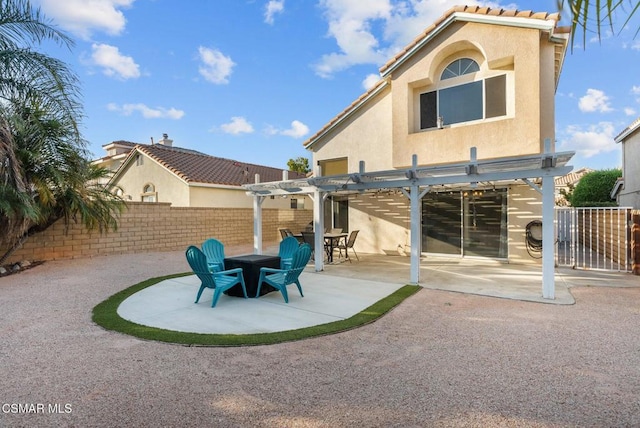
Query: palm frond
pixel 23 25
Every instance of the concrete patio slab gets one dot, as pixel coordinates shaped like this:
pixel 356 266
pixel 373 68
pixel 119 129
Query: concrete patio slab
pixel 345 288
pixel 170 305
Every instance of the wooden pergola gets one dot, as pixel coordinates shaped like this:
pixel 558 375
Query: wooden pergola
pixel 538 171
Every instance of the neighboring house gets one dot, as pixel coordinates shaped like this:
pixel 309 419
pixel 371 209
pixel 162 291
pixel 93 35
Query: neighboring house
pixel 478 77
pixel 627 190
pixel 188 178
pixel 568 183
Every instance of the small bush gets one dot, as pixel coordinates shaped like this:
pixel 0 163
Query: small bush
pixel 594 189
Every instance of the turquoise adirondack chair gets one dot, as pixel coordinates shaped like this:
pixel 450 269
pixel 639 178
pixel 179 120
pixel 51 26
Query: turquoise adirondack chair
pixel 280 278
pixel 288 247
pixel 218 281
pixel 214 250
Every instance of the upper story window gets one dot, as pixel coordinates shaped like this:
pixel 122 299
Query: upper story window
pixel 149 193
pixel 466 99
pixel 460 67
pixel 139 159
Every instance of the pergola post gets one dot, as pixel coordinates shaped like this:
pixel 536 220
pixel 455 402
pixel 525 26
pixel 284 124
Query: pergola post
pixel 257 221
pixel 318 228
pixel 415 196
pixel 416 233
pixel 548 228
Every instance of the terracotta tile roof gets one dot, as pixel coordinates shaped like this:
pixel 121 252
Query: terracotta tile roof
pixel 573 177
pixel 122 143
pixel 195 167
pixel 466 9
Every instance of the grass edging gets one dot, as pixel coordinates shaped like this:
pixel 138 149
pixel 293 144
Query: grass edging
pixel 106 315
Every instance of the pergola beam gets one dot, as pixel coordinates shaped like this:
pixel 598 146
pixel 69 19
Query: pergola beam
pixel 546 165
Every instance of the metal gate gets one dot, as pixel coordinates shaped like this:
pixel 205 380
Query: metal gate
pixel 594 238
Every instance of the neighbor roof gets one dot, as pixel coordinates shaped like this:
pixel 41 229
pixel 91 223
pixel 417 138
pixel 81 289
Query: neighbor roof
pixel 195 167
pixel 573 177
pixel 546 21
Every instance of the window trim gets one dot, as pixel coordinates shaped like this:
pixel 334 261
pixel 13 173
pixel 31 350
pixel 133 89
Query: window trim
pixel 149 191
pixel 429 120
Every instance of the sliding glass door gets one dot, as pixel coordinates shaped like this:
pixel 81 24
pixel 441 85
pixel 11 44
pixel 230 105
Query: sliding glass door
pixel 441 223
pixel 485 224
pixel 467 223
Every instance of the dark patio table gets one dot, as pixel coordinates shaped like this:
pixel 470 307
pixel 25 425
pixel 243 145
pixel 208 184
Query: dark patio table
pixel 251 264
pixel 332 240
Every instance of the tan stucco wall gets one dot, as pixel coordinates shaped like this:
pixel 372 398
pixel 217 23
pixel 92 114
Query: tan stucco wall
pixel 238 198
pixel 630 195
pixel 524 205
pixel 498 50
pixel 385 132
pixel 383 221
pixel 169 188
pixel 365 138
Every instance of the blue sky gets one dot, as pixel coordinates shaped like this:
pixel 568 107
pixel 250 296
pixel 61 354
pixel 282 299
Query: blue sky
pixel 251 80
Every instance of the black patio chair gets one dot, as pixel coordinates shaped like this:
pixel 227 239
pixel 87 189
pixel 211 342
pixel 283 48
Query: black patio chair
pixel 349 244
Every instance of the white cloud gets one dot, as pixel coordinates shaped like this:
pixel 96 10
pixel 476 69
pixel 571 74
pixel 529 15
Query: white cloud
pixel 147 112
pixel 629 111
pixel 589 141
pixel 83 17
pixel 297 130
pixel 635 45
pixel 113 62
pixel 595 100
pixel 371 32
pixel 272 8
pixel 370 80
pixel 350 25
pixel 216 67
pixel 238 125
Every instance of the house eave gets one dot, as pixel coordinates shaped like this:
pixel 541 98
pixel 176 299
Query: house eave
pixel 533 23
pixel 635 125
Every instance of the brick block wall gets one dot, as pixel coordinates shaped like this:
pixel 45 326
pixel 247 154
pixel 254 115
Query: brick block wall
pixel 146 227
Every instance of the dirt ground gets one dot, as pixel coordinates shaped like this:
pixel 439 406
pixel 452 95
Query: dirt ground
pixel 440 359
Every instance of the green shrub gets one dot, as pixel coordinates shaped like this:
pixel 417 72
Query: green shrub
pixel 594 189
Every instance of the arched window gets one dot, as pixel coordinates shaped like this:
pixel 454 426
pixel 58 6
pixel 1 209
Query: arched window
pixel 460 67
pixel 149 193
pixel 467 99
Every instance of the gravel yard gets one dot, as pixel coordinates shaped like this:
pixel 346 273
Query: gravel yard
pixel 438 359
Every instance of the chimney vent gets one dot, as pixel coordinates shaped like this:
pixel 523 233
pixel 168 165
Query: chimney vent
pixel 165 140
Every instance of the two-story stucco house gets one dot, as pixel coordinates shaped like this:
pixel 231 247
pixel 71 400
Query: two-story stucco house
pixel 478 77
pixel 628 188
pixel 183 177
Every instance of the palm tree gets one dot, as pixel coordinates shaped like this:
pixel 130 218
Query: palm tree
pixel 592 17
pixel 45 174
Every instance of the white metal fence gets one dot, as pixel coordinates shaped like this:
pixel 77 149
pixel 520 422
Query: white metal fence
pixel 594 238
